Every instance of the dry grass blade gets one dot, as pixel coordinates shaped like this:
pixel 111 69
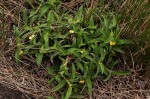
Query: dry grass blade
pixel 136 15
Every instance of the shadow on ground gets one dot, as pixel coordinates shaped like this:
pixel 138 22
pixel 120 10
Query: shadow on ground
pixel 7 93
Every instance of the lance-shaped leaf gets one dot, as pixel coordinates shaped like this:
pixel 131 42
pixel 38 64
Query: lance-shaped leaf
pixel 123 41
pixel 39 57
pixel 68 93
pixel 91 23
pixel 76 96
pixel 44 9
pixel 73 72
pixel 25 17
pixel 46 39
pixel 114 22
pixel 120 72
pixel 50 18
pixel 108 77
pixel 80 66
pixel 60 85
pixel 89 85
pixel 102 67
pixel 115 48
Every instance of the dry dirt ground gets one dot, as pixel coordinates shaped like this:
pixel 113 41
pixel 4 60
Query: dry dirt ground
pixel 8 93
pixel 17 82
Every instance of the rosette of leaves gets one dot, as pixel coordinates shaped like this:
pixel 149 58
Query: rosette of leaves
pixel 80 48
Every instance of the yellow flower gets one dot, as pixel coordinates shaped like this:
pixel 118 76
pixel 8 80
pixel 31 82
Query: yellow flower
pixel 71 31
pixel 31 37
pixel 81 81
pixel 20 52
pixel 112 43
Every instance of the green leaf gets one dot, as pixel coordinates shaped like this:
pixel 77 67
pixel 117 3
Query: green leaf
pixel 90 58
pixel 60 85
pixel 80 66
pixel 25 17
pixel 58 78
pixel 109 39
pixel 68 93
pixel 94 40
pixel 52 56
pixel 32 20
pixel 17 56
pixel 41 26
pixel 79 13
pixel 112 64
pixel 62 95
pixel 74 42
pixel 76 96
pixel 117 31
pixel 46 39
pixel 39 57
pixel 114 22
pixel 51 71
pixel 79 39
pixel 120 72
pixel 123 41
pixel 73 72
pixel 118 49
pixel 49 97
pixel 91 23
pixel 89 85
pixel 32 13
pixel 52 2
pixel 71 50
pixel 57 16
pixel 67 46
pixel 86 68
pixel 108 77
pixel 86 37
pixel 51 80
pixel 97 72
pixel 16 30
pixel 102 56
pixel 44 9
pixel 102 67
pixel 43 49
pixel 50 18
pixel 75 53
pixel 106 21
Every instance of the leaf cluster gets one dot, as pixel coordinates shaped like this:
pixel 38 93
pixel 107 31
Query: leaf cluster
pixel 80 45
